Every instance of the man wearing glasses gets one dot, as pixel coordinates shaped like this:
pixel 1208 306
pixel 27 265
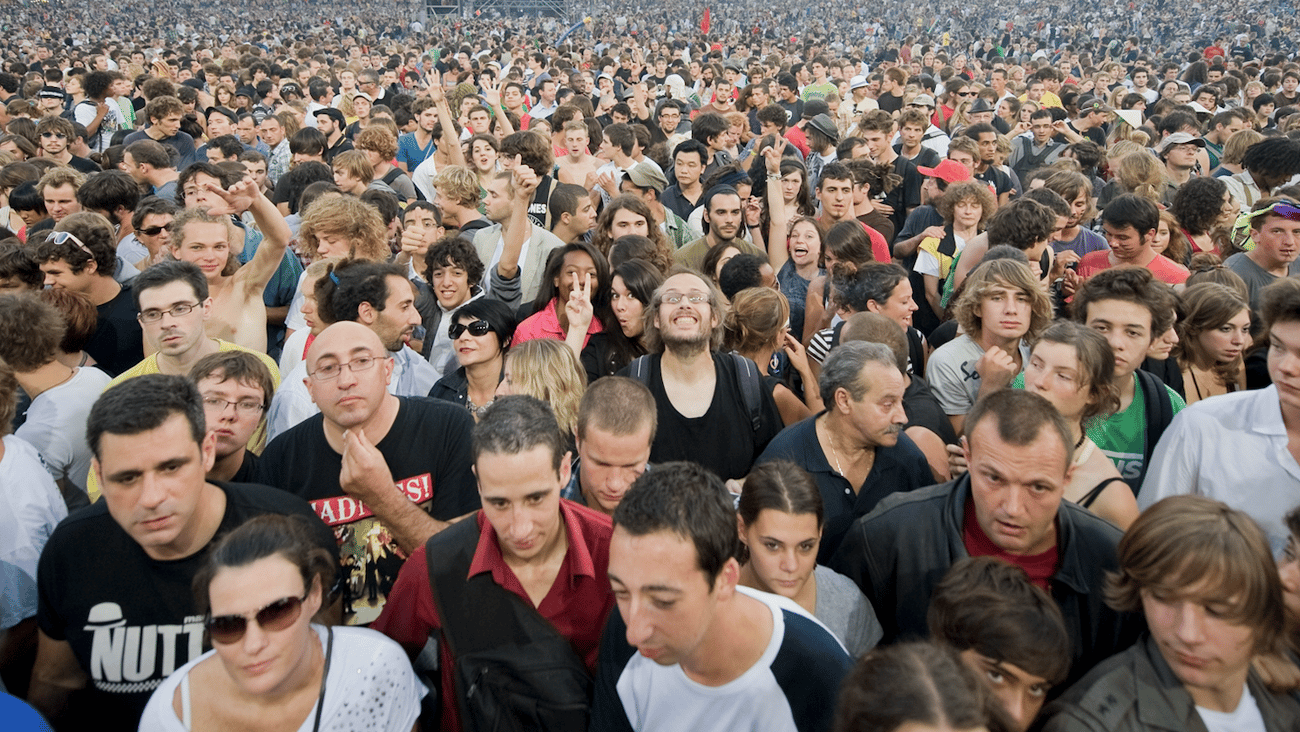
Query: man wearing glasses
pixel 56 134
pixel 115 611
pixel 174 305
pixel 707 408
pixel 385 472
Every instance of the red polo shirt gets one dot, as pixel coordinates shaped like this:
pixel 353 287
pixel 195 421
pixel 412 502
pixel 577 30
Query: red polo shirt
pixel 577 604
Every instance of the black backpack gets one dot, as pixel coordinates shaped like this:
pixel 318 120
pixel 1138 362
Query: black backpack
pixel 1160 412
pixel 512 668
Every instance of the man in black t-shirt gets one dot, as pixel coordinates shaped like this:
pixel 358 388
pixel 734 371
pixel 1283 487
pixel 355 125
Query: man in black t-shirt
pixel 702 412
pixel 384 472
pixel 115 609
pixel 987 139
pixel 82 257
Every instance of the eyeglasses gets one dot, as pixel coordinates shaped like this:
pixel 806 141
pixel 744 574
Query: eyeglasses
pixel 282 613
pixel 59 135
pixel 329 372
pixel 154 230
pixel 244 406
pixel 965 94
pixel 673 298
pixel 179 310
pixel 477 328
pixel 60 238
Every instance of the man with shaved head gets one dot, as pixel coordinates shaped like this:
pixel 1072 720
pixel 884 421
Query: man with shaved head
pixel 356 463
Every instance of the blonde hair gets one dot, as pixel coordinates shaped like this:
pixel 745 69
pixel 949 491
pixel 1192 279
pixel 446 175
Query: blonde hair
pixel 1001 273
pixel 548 370
pixel 347 216
pixel 355 164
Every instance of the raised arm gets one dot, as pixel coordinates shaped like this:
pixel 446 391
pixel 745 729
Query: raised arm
pixel 448 141
pixel 777 252
pixel 518 229
pixel 247 196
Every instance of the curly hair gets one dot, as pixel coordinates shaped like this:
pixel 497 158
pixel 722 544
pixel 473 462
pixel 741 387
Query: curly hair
pixel 346 216
pixel 965 191
pixel 603 239
pixel 377 140
pixel 1001 273
pixel 30 331
pixel 1198 203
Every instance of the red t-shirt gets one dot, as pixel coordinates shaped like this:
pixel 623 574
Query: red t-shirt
pixel 1039 567
pixel 577 604
pixel 1164 269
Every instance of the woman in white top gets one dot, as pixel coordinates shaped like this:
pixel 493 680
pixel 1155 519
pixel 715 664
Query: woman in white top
pixel 780 519
pixel 270 668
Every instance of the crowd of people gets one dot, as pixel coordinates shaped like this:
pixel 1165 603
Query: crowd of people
pixel 796 368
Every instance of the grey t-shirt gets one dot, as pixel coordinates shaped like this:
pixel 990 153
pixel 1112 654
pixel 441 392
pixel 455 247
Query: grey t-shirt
pixel 1256 277
pixel 952 376
pixel 848 614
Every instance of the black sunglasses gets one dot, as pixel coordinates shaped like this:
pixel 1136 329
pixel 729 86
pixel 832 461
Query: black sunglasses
pixel 477 328
pixel 282 613
pixel 155 230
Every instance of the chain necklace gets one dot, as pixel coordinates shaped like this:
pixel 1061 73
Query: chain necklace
pixel 834 453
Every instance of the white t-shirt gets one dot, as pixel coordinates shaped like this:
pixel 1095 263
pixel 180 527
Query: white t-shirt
pixel 656 697
pixel 56 424
pixel 1245 718
pixel 30 508
pixel 370 687
pixel 951 373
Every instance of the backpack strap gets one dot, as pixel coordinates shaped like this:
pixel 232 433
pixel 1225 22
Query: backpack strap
pixel 751 386
pixel 1160 412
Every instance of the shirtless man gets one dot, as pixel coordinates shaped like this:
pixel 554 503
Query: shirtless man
pixel 579 165
pixel 207 238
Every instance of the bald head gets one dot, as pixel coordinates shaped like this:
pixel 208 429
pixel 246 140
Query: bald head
pixel 339 340
pixel 348 371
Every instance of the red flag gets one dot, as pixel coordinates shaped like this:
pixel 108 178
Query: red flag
pixel 704 23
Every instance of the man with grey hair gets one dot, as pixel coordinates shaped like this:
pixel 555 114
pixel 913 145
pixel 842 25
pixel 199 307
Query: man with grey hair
pixel 856 449
pixel 713 408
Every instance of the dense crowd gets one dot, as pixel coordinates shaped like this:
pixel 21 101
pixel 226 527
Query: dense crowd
pixel 670 368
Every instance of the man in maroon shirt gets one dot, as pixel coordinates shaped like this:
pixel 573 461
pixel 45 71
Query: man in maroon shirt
pixel 553 553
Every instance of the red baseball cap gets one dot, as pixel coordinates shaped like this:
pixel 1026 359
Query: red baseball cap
pixel 949 171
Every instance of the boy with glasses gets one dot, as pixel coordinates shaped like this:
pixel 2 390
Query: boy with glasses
pixel 56 136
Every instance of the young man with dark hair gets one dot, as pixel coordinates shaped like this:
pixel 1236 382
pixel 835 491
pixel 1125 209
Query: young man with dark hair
pixel 689 647
pixel 724 218
pixel 617 420
pixel 549 553
pixel 1131 308
pixel 1009 506
pixel 986 138
pixel 572 213
pixel 1130 222
pixel 149 163
pixel 82 257
pixel 114 195
pixel 150 533
pixel 877 128
pixel 684 195
pixel 19 270
pixel 712 130
pixel 236 387
pixel 164 114
pixel 57 136
pixel 353 460
pixel 453 272
pixel 1005 629
pixel 1036 150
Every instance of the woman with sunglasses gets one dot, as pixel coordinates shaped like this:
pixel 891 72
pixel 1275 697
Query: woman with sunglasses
pixel 481 332
pixel 270 667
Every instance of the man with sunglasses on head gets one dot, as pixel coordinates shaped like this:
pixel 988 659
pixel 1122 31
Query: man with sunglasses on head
pixel 81 256
pixel 1275 229
pixel 116 613
pixel 385 472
